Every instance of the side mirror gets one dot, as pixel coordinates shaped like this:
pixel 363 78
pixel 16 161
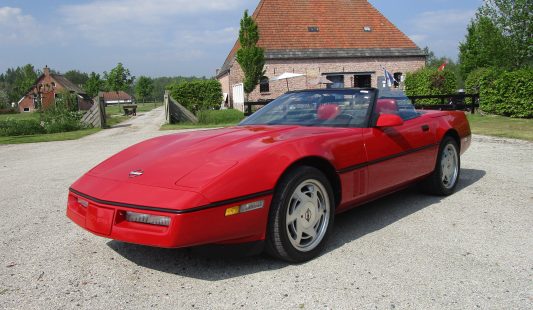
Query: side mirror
pixel 389 120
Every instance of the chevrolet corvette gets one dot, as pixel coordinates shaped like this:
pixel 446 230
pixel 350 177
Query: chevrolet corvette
pixel 278 178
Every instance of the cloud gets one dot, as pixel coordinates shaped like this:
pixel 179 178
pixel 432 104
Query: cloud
pixel 209 37
pixel 140 11
pixel 441 30
pixel 16 27
pixel 139 23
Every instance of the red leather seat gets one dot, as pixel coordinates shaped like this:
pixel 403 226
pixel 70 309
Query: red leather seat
pixel 386 106
pixel 328 111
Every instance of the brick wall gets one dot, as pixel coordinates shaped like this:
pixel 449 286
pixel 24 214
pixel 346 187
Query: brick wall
pixel 313 68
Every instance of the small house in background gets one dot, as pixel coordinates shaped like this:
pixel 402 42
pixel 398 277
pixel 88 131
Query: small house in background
pixel 342 43
pixel 116 97
pixel 47 88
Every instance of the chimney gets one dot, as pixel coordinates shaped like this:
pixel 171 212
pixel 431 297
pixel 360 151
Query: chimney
pixel 46 70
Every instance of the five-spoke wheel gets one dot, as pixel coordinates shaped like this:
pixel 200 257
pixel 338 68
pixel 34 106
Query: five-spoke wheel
pixel 301 215
pixel 308 215
pixel 444 178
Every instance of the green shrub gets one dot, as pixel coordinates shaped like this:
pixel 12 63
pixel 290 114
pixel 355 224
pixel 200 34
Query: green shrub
pixel 214 117
pixel 197 95
pixel 12 127
pixel 479 77
pixel 63 115
pixel 507 93
pixel 430 81
pixel 8 111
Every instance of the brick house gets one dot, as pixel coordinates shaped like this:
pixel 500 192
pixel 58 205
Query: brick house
pixel 46 89
pixel 348 42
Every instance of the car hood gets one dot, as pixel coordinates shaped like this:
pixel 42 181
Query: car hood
pixel 194 159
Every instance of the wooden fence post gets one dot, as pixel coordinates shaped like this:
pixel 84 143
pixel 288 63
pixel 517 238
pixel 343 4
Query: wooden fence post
pixel 167 107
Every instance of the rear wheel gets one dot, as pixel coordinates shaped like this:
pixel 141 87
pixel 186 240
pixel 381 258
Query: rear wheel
pixel 301 215
pixel 444 179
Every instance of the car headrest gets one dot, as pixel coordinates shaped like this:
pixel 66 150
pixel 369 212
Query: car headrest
pixel 386 106
pixel 328 111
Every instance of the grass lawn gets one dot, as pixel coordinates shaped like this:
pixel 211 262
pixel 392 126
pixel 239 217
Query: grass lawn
pixel 500 126
pixel 210 119
pixel 71 135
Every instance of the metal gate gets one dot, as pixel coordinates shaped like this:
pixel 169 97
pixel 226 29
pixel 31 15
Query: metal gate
pixel 238 97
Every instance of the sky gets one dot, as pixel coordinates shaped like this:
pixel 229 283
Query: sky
pixel 177 37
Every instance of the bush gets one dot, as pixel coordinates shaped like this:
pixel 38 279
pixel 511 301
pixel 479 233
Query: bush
pixel 430 81
pixel 215 117
pixel 63 115
pixel 197 95
pixel 479 77
pixel 8 111
pixel 12 127
pixel 507 93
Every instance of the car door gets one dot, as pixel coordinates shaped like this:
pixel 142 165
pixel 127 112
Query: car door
pixel 399 154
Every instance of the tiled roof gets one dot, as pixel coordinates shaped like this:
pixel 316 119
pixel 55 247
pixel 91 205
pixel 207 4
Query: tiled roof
pixel 284 30
pixel 116 95
pixel 67 84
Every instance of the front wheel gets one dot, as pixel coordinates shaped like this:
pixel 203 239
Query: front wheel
pixel 443 180
pixel 301 215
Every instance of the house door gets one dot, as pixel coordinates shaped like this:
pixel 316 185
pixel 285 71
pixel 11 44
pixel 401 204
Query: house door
pixel 238 97
pixel 363 81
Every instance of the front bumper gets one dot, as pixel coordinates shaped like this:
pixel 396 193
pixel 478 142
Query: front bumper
pixel 202 226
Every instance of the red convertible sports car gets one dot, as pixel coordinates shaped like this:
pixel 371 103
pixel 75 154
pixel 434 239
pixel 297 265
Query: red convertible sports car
pixel 278 178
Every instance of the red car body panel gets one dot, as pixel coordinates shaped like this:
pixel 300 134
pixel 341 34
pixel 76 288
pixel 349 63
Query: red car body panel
pixel 194 177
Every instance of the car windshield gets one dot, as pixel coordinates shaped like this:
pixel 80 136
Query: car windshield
pixel 324 107
pixel 405 108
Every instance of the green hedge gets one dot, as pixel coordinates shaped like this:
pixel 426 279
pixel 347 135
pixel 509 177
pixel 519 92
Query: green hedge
pixel 197 95
pixel 507 93
pixel 12 127
pixel 430 81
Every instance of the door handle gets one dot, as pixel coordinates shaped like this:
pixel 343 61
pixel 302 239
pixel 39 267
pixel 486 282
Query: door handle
pixel 425 128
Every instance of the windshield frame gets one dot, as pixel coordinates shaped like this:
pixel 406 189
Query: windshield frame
pixel 324 91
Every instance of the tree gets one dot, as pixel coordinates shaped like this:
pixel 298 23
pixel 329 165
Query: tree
pixel 500 36
pixel 93 84
pixel 144 87
pixel 485 46
pixel 76 77
pixel 119 78
pixel 515 20
pixel 435 62
pixel 250 57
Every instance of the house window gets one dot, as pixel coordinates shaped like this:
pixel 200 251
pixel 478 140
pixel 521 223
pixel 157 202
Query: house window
pixel 264 85
pixel 397 79
pixel 26 109
pixel 337 81
pixel 362 80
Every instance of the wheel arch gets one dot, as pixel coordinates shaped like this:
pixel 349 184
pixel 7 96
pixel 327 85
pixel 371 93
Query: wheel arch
pixel 455 135
pixel 325 167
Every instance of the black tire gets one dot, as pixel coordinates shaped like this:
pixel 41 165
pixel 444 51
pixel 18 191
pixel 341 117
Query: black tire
pixel 280 239
pixel 436 183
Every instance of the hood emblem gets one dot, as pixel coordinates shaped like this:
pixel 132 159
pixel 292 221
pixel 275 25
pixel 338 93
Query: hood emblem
pixel 136 173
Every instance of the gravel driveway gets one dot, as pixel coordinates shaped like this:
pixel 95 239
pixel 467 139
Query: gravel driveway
pixel 472 249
